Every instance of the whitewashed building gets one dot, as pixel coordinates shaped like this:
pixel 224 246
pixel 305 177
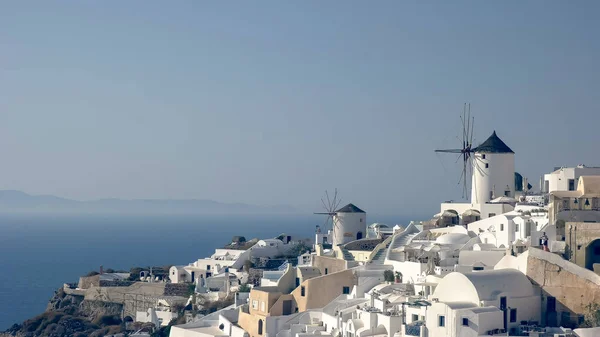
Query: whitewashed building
pixel 481 303
pixel 565 178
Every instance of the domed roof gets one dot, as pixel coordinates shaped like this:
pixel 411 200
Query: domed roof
pixel 453 239
pixel 470 212
pixel 378 225
pixel 450 213
pixel 493 145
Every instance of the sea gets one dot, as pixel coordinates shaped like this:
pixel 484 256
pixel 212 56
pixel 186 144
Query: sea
pixel 41 252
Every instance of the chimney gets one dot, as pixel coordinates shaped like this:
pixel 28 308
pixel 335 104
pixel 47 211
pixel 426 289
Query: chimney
pixel 101 270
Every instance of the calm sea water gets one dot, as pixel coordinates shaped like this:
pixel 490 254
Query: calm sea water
pixel 38 253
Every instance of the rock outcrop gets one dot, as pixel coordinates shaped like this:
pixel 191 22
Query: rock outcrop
pixel 70 315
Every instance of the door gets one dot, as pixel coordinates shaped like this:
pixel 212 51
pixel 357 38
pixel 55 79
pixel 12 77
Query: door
pixel 287 307
pixel 359 236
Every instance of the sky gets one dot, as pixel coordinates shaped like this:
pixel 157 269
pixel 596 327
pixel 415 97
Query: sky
pixel 274 102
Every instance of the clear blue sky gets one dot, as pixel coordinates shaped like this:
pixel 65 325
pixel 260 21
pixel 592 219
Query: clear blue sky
pixel 275 101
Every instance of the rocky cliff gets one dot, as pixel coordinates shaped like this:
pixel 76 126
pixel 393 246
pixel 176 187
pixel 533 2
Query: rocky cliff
pixel 71 316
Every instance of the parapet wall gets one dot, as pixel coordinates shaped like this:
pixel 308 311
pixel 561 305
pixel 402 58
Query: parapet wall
pixel 573 287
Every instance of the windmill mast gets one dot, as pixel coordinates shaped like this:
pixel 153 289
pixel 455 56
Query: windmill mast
pixel 330 204
pixel 466 150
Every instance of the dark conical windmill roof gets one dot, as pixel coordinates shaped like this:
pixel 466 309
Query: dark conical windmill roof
pixel 350 208
pixel 493 145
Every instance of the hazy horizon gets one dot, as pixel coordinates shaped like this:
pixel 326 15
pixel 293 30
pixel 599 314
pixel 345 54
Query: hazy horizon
pixel 275 102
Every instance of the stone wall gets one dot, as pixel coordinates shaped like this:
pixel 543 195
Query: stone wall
pixel 177 289
pixel 86 282
pixel 573 287
pixel 254 276
pixel 115 283
pixel 578 236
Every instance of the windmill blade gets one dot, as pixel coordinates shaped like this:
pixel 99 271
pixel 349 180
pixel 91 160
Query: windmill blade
pixel 461 178
pixel 465 190
pixel 324 205
pixel 460 155
pixel 468 122
pixel 450 151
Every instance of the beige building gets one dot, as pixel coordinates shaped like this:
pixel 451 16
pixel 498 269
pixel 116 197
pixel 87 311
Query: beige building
pixel 577 216
pixel 580 205
pixel 315 291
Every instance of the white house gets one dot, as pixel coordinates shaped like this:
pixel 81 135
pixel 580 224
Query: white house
pixel 565 178
pixel 231 260
pixel 479 303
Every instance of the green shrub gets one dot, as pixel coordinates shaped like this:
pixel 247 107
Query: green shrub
pixel 107 320
pixel 388 276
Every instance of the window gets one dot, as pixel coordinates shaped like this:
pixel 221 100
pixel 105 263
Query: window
pixel 516 227
pixel 487 165
pixel 502 303
pixel 346 290
pixel 441 320
pixel 302 291
pixel 483 156
pixel 501 227
pixel 507 193
pixel 325 271
pixel 254 304
pixel 571 184
pixel 465 322
pixel 262 306
pixel 415 317
pixel 477 268
pixel 173 272
pixel 513 315
pixel 491 215
pixel 208 267
pixel 260 326
pixel 297 281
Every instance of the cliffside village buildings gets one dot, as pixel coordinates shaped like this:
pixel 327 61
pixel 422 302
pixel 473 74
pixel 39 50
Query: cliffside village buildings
pixel 508 263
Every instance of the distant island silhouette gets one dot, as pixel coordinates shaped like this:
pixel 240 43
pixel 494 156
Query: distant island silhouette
pixel 18 201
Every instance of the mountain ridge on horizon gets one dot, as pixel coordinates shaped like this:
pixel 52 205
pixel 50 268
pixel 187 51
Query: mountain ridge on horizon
pixel 19 201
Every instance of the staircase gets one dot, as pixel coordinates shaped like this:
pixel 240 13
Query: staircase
pixel 283 266
pixel 346 254
pixel 400 240
pixel 379 257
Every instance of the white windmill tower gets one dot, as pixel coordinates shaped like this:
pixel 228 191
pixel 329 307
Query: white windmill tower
pixel 493 171
pixel 348 223
pixel 491 164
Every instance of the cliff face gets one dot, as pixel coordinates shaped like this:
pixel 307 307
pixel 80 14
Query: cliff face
pixel 71 316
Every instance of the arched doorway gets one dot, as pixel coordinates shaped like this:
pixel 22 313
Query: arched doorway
pixel 260 326
pixel 592 254
pixel 359 235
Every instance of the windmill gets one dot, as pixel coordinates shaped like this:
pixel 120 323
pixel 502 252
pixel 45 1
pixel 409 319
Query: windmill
pixel 330 205
pixel 466 149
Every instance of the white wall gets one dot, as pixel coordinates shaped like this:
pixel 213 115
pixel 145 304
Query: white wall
pixel 499 174
pixel 479 323
pixel 559 180
pixel 176 272
pixel 347 225
pixel 411 271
